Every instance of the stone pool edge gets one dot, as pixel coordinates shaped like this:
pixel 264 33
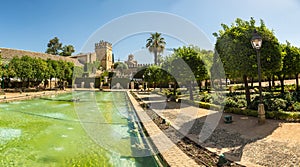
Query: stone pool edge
pixel 173 156
pixel 30 95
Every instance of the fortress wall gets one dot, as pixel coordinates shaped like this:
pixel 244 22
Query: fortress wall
pixel 8 54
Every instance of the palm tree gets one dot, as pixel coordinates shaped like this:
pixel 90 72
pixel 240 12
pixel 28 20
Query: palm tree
pixel 156 44
pixel 67 50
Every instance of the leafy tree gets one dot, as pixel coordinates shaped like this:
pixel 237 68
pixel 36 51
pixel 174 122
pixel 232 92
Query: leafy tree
pixel 186 65
pixel 156 44
pixel 92 67
pixel 36 69
pixel 22 68
pixel 120 66
pixel 217 71
pixel 58 70
pixel 54 46
pixel 170 67
pixel 51 66
pixel 63 71
pixel 67 50
pixel 153 74
pixel 1 66
pixel 2 71
pixel 39 69
pixel 193 58
pixel 77 72
pixel 237 55
pixel 291 65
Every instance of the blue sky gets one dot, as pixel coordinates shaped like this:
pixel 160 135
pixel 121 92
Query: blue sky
pixel 30 24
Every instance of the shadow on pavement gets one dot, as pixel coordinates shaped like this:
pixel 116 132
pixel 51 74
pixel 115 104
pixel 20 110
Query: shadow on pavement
pixel 230 139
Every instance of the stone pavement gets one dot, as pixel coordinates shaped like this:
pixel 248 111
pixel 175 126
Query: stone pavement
pixel 169 151
pixel 274 143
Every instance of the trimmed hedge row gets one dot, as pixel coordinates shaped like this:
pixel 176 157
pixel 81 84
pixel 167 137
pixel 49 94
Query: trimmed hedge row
pixel 279 115
pixel 201 104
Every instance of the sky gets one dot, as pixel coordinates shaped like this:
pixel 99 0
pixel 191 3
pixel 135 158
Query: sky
pixel 30 24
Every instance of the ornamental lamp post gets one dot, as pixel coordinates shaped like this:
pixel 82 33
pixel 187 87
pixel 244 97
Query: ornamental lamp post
pixel 144 82
pixel 256 42
pixel 149 74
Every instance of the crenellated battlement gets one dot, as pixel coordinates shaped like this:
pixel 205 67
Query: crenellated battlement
pixel 103 50
pixel 103 44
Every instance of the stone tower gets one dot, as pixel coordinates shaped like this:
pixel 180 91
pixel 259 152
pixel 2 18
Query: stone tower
pixel 104 55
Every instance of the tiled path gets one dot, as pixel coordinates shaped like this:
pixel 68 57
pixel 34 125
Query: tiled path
pixel 273 144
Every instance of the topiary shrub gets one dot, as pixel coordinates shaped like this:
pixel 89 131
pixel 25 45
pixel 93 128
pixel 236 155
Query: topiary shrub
pixel 271 114
pixel 230 102
pixel 204 105
pixel 270 103
pixel 205 97
pixel 240 111
pixel 242 103
pixel 296 106
pixel 294 116
pixel 277 104
pixel 296 96
pixel 289 88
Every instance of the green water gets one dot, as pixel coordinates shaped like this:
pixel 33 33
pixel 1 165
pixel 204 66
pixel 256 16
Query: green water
pixel 54 131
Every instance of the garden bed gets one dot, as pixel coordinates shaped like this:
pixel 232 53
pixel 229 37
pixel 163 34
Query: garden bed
pixel 200 154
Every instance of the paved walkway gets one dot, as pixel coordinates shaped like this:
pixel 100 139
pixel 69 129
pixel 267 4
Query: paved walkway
pixel 273 144
pixel 169 151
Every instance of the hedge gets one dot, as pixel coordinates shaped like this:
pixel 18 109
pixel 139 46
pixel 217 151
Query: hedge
pixel 201 104
pixel 279 115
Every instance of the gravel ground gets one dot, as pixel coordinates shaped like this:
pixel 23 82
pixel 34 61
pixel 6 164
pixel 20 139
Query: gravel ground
pixel 273 153
pixel 200 154
pixel 272 144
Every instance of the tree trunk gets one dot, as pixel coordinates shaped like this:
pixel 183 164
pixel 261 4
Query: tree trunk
pixel 160 86
pixel 155 57
pixel 281 83
pixel 247 90
pixel 297 82
pixel 28 83
pixel 206 84
pixel 191 91
pixel 273 80
pixel 270 86
pixel 200 86
pixel 50 82
pixel 252 81
pixel 174 90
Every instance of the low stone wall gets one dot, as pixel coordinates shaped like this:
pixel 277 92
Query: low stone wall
pixel 10 97
pixel 7 54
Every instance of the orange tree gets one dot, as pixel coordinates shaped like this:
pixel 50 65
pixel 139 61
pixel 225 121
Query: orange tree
pixel 239 58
